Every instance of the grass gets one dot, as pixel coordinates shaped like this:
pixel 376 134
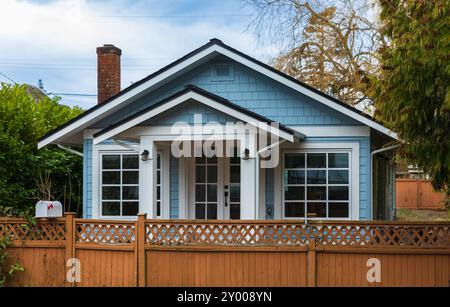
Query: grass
pixel 423 215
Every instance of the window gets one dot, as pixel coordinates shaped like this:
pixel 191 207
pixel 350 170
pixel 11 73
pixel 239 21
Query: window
pixel 316 185
pixel 235 187
pixel 119 184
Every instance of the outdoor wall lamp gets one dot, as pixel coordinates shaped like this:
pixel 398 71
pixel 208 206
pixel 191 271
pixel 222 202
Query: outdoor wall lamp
pixel 246 154
pixel 144 155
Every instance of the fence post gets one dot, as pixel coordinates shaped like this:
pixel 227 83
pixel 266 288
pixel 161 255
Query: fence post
pixel 311 281
pixel 70 240
pixel 140 250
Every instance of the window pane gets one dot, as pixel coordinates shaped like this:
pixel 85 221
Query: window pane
pixel 200 211
pixel 294 193
pixel 211 213
pixel 111 161
pixel 294 210
pixel 339 177
pixel 338 193
pixel 294 177
pixel 200 192
pixel 212 193
pixel 316 160
pixel 235 159
pixel 235 193
pixel 212 160
pixel 200 174
pixel 338 160
pixel 130 177
pixel 317 210
pixel 110 208
pixel 200 160
pixel 317 193
pixel 130 193
pixel 294 161
pixel 212 173
pixel 158 192
pixel 111 177
pixel 158 208
pixel 235 211
pixel 338 210
pixel 235 174
pixel 317 177
pixel 158 177
pixel 130 162
pixel 158 161
pixel 130 208
pixel 110 193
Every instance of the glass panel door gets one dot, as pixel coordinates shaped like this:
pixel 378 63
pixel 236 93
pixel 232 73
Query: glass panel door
pixel 206 183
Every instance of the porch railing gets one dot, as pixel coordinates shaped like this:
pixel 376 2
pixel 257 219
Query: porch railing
pixel 240 233
pixel 357 234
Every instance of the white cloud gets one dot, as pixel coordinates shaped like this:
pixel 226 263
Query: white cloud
pixel 56 41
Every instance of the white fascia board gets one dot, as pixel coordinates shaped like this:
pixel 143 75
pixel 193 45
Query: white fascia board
pixel 306 91
pixel 110 106
pixel 197 97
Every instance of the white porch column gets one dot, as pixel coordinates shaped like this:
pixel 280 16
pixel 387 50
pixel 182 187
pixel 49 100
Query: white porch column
pixel 147 170
pixel 249 208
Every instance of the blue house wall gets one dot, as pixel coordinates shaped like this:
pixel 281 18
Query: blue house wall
pixel 250 90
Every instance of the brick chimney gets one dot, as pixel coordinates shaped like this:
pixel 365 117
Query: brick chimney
pixel 108 72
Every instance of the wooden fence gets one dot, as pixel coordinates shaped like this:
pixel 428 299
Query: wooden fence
pixel 229 253
pixel 418 194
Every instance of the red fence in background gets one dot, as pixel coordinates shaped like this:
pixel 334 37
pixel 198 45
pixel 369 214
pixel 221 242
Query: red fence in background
pixel 418 194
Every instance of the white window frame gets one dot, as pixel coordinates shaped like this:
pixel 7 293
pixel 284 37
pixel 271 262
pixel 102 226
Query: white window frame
pixel 354 170
pixel 99 150
pixel 121 153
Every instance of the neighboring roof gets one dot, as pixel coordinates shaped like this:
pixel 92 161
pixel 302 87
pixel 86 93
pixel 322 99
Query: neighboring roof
pixel 214 46
pixel 187 94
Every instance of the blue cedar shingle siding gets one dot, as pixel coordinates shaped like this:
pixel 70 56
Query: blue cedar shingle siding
pixel 174 203
pixel 185 113
pixel 87 178
pixel 250 90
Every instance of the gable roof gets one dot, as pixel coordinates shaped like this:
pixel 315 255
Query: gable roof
pixel 187 62
pixel 204 97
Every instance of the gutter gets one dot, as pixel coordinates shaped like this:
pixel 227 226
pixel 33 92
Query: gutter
pixel 372 154
pixel 70 150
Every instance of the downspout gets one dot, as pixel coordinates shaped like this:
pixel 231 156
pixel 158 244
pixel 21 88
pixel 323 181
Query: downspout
pixel 257 172
pixel 70 150
pixel 372 154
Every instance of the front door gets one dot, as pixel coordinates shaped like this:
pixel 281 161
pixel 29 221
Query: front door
pixel 215 188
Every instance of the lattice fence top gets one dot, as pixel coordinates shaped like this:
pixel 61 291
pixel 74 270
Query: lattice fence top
pixel 43 230
pixel 106 232
pixel 298 234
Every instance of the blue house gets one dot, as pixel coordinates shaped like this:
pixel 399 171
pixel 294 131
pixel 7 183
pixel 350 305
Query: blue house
pixel 220 135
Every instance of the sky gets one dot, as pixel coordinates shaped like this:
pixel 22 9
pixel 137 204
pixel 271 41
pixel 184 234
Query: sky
pixel 56 40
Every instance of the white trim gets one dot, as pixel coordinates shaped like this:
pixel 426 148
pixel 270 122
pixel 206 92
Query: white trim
pixel 351 147
pixel 201 57
pixel 97 151
pixel 199 98
pixel 304 90
pixel 332 131
pixel 111 106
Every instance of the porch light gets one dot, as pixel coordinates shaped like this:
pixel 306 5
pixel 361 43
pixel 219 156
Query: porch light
pixel 144 155
pixel 246 154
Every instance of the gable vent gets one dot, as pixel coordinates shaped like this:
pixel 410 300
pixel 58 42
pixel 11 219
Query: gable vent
pixel 223 72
